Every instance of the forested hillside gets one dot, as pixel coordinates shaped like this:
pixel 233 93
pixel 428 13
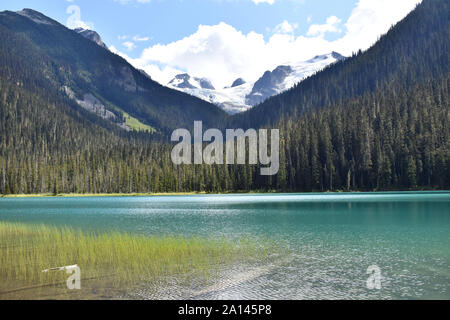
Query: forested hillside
pixel 52 61
pixel 389 139
pixel 376 121
pixel 414 51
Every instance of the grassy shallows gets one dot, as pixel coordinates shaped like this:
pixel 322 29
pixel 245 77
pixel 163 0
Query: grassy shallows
pixel 26 250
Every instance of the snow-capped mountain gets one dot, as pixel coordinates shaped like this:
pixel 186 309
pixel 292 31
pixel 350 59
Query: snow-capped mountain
pixel 185 81
pixel 238 82
pixel 270 84
pixel 231 99
pixel 91 35
pixel 241 95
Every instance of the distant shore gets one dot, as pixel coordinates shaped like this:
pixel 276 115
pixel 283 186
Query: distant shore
pixel 81 195
pixel 76 195
pixel 159 194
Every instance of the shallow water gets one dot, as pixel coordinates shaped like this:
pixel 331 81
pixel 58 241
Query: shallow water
pixel 331 239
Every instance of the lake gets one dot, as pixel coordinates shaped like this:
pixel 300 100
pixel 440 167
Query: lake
pixel 330 240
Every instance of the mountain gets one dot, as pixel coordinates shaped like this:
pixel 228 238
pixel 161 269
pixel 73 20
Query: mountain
pixel 185 81
pixel 39 50
pixel 242 96
pixel 268 85
pixel 402 57
pixel 378 120
pixel 91 35
pixel 285 77
pixel 238 82
pixel 230 99
pixel 37 17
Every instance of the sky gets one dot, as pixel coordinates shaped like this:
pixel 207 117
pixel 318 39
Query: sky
pixel 223 40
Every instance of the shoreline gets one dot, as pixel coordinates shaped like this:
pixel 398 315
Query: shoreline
pixel 90 195
pixel 112 195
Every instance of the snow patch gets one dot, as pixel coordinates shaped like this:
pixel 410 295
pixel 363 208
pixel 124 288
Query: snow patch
pixel 243 96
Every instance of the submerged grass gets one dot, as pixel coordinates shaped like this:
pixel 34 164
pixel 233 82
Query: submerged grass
pixel 125 259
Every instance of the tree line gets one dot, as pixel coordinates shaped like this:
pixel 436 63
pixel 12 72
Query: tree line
pixel 390 139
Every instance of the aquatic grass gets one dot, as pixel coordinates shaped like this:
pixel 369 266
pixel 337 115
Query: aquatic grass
pixel 125 259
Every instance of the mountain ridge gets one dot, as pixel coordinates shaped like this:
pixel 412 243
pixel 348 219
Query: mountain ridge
pixel 90 70
pixel 242 95
pixel 91 35
pixel 36 16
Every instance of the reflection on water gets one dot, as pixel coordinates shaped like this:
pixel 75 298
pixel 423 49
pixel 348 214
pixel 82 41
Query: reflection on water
pixel 331 239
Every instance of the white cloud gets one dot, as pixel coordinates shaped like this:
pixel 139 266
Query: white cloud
pixel 263 1
pixel 222 53
pixel 372 18
pixel 286 27
pixel 129 45
pixel 332 26
pixel 138 38
pixel 161 74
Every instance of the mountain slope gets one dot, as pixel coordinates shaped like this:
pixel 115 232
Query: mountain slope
pixel 377 121
pixel 91 35
pixel 287 76
pixel 415 50
pixel 91 75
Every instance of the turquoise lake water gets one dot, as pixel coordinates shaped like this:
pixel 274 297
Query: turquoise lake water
pixel 331 238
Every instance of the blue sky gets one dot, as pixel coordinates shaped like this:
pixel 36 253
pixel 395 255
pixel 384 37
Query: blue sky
pixel 238 37
pixel 165 21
